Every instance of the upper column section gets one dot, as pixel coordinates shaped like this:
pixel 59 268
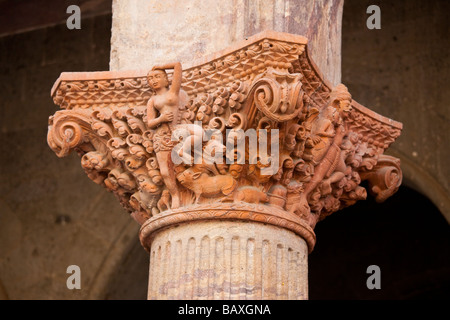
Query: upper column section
pixel 145 33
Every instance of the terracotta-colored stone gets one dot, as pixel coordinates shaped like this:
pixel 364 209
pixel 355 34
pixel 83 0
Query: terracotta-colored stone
pixel 228 260
pixel 121 124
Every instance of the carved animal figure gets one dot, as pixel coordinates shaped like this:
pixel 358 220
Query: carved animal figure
pixel 293 201
pixel 250 195
pixel 141 202
pixel 146 185
pixel 204 185
pixel 163 202
pixel 138 214
pixel 149 194
pixel 192 147
pixel 277 196
pixel 254 173
pixel 111 182
pixel 117 178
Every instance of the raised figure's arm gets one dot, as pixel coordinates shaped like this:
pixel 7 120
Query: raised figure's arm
pixel 176 79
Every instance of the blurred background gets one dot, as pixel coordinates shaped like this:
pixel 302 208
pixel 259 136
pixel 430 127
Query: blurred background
pixel 53 216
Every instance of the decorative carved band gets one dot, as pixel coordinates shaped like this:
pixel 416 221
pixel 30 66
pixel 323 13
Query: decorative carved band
pixel 278 51
pixel 227 211
pixel 122 125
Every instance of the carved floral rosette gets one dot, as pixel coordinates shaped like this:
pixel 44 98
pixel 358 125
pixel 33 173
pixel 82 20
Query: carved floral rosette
pixel 328 143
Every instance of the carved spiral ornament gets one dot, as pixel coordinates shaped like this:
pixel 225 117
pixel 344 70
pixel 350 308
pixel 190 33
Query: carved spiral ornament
pixel 278 97
pixel 66 133
pixel 385 179
pixel 327 143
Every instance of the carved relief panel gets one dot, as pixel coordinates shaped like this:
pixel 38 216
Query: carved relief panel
pixel 307 146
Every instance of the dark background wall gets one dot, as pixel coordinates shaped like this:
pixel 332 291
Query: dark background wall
pixel 401 71
pixel 407 237
pixel 52 215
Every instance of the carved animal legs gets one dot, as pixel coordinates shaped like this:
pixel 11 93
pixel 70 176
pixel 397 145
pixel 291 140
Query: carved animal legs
pixel 301 208
pixel 325 186
pixel 163 203
pixel 168 174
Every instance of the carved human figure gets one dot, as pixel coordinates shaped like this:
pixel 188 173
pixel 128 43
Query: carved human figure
pixel 162 116
pixel 337 169
pixel 311 151
pixel 293 200
pixel 322 133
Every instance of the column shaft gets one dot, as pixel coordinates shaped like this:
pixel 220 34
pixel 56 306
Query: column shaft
pixel 145 33
pixel 228 260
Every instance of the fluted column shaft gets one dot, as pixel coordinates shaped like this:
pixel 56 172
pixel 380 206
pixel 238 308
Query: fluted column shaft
pixel 228 260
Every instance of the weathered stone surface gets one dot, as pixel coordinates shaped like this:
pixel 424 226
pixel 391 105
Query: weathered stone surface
pixel 327 143
pixel 350 254
pixel 226 260
pixel 403 71
pixel 28 15
pixel 125 126
pixel 51 216
pixel 148 33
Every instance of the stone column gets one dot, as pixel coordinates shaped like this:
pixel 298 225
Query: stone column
pixel 235 230
pixel 145 34
pixel 227 260
pixel 227 251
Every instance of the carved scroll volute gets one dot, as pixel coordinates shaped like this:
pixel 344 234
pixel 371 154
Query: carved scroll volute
pixel 278 95
pixel 67 130
pixel 327 143
pixel 385 178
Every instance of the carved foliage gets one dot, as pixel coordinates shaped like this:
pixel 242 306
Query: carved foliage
pixel 327 143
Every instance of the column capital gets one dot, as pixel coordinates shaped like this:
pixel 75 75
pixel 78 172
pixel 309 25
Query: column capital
pixel 321 144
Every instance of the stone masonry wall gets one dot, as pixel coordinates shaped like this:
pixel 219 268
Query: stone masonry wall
pixel 51 214
pixel 403 72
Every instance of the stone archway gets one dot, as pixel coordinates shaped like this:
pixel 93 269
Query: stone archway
pixel 406 236
pixel 124 272
pixel 399 70
pixel 409 249
pixel 416 177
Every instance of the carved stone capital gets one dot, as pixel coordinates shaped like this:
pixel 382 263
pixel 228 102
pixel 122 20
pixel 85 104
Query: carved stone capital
pixel 238 211
pixel 327 143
